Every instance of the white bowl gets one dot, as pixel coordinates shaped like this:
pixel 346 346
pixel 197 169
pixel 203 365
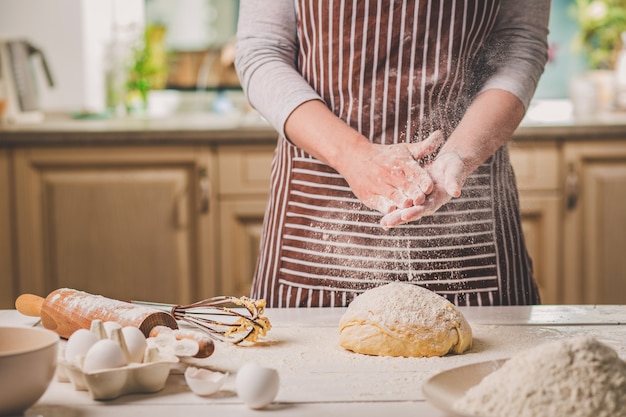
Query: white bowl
pixel 163 103
pixel 28 359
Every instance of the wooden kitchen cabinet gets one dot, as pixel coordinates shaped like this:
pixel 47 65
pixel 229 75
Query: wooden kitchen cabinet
pixel 595 222
pixel 7 284
pixel 138 214
pixel 129 223
pixel 244 178
pixel 241 222
pixel 537 170
pixel 541 226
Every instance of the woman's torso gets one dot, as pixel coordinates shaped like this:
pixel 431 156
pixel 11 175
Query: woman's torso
pixel 395 71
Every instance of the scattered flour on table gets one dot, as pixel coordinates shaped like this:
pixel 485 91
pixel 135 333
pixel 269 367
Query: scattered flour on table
pixel 576 377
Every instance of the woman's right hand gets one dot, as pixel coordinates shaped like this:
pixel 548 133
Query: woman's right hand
pixel 390 177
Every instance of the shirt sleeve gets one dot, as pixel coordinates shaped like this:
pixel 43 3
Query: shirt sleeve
pixel 266 59
pixel 521 45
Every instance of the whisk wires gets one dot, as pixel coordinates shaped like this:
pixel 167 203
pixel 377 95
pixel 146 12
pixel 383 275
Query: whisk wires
pixel 223 318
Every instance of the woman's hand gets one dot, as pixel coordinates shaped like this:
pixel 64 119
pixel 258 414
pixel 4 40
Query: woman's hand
pixel 389 177
pixel 448 173
pixel 487 124
pixel 383 177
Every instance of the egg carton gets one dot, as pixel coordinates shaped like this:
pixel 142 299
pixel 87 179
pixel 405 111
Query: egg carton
pixel 134 378
pixel 148 375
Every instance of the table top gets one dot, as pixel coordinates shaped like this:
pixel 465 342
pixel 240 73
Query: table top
pixel 318 377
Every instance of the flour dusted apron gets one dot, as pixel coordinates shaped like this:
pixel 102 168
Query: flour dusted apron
pixel 395 71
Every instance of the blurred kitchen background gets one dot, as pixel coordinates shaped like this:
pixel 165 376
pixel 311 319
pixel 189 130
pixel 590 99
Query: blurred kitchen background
pixel 91 47
pixel 139 160
pixel 97 49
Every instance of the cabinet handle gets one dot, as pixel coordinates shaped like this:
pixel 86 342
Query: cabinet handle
pixel 572 186
pixel 205 189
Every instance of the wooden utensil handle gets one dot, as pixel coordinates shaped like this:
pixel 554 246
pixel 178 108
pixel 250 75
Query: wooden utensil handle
pixel 66 310
pixel 29 304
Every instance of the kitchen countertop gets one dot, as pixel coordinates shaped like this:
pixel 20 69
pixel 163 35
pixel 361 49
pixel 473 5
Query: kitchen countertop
pixel 545 120
pixel 193 128
pixel 318 377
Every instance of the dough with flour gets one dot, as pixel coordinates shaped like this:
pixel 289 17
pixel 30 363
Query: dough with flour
pixel 400 319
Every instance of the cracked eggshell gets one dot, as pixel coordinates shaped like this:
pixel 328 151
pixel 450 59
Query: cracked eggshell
pixel 186 347
pixel 257 386
pixel 204 382
pixel 168 343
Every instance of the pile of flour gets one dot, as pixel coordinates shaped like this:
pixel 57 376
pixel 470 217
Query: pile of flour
pixel 577 377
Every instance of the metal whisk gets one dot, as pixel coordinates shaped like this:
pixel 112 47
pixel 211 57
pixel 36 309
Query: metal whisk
pixel 215 317
pixel 222 317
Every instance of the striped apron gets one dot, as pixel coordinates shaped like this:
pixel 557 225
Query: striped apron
pixel 395 71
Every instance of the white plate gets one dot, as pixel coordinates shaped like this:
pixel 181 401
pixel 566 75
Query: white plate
pixel 443 389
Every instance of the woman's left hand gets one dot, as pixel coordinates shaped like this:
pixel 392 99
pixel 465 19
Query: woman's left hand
pixel 448 172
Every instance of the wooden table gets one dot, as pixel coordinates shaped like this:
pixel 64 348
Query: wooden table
pixel 319 378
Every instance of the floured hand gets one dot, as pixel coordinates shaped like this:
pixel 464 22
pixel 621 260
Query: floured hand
pixel 389 177
pixel 448 172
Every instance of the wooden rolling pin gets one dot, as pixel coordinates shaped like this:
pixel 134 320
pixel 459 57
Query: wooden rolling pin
pixel 65 311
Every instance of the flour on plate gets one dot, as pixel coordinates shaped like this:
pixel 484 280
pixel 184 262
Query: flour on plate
pixel 577 377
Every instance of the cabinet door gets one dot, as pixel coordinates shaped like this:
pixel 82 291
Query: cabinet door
pixel 595 223
pixel 540 222
pixel 7 285
pixel 241 222
pixel 244 177
pixel 122 222
pixel 536 166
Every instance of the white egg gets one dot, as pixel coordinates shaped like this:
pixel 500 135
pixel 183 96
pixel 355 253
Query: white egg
pixel 135 342
pixel 257 386
pixel 104 354
pixel 78 344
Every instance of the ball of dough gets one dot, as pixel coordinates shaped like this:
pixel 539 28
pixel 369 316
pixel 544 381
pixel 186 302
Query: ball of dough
pixel 400 319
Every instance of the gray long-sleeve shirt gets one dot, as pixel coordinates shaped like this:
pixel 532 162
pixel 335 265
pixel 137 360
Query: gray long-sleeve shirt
pixel 267 49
